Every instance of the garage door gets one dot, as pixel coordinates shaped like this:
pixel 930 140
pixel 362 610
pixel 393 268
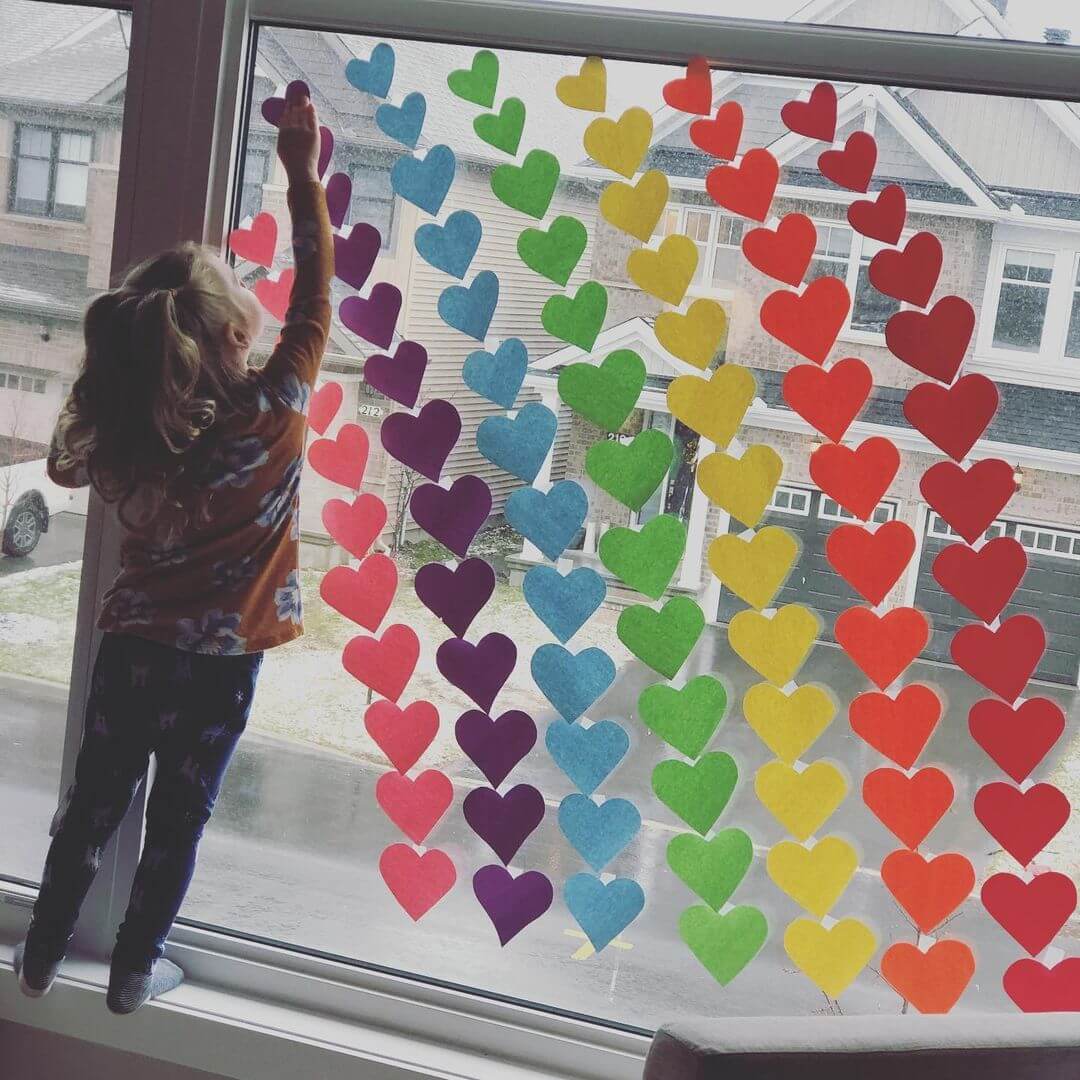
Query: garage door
pixel 1050 591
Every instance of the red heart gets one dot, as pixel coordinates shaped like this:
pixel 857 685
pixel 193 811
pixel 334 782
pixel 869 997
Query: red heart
pixel 720 136
pixel 415 806
pixel 856 478
pixel 342 459
pixel 882 218
pixel 983 580
pixel 929 890
pixel 1022 822
pixel 953 417
pixel 1002 660
pixel 385 664
pixel 325 403
pixel 785 253
pixel 1037 988
pixel 258 243
pixel 417 881
pixel 932 981
pixel 969 500
pixel 692 94
pixel 274 295
pixel 910 274
pixel 356 525
pixel 897 727
pixel 1016 738
pixel 363 595
pixel 852 167
pixel 816 118
pixel 747 188
pixel 402 734
pixel 1032 912
pixel 881 646
pixel 871 562
pixel 908 806
pixel 935 342
pixel 829 399
pixel 808 323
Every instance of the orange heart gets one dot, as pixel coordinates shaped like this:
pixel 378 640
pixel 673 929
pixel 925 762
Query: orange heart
pixel 908 806
pixel 829 399
pixel 871 562
pixel 929 890
pixel 785 252
pixel 897 727
pixel 363 595
pixel 747 188
pixel 933 980
pixel 881 646
pixel 415 806
pixel 856 479
pixel 809 322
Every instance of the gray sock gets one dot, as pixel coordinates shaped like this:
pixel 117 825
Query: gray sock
pixel 35 973
pixel 128 990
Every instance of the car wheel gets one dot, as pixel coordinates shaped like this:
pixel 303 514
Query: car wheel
pixel 22 533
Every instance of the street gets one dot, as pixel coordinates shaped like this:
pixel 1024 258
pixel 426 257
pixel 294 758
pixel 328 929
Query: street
pixel 63 543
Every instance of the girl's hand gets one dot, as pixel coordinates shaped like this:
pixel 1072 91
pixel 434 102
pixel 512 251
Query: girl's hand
pixel 298 139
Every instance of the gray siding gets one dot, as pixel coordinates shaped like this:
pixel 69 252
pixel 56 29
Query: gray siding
pixel 918 16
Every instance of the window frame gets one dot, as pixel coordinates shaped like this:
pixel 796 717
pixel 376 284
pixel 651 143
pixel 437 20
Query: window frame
pixel 387 236
pixel 55 161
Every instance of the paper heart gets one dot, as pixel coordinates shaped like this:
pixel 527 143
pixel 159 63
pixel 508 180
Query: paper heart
pixel 882 646
pixel 696 336
pixel 815 878
pixel 788 724
pixel 871 562
pixel 1033 912
pixel 511 903
pixel 816 118
pixel 495 746
pixel 479 671
pixel 720 135
pixel 811 322
pixel 881 218
pixel 355 255
pixel 713 407
pixel 742 486
pixel 363 595
pixel 497 376
pixel 746 189
pixel 504 822
pixel 414 806
pixel 908 806
pixel 502 129
pixel 425 181
pixel 685 718
pixel 713 869
pixel 530 186
pixel 455 595
pixel 604 394
pixel 588 89
pixel 603 911
pixel 471 308
pixel 451 246
pixel 831 959
pixel 563 603
pixel 932 981
pixel 588 755
pixel 1002 660
pixel 852 167
pixel 275 295
pixel 985 579
pixel 598 832
pixel 667 272
pixel 258 243
pixel 800 801
pixel 693 92
pixel 573 684
pixel 697 793
pixel 576 319
pixel 452 517
pixel 402 734
pixel 929 890
pixel 418 882
pixel 647 559
pixel 898 727
pixel 551 519
pixel 1022 822
pixel 935 342
pixel 554 253
pixel 374 75
pixel 783 253
pixel 662 639
pixel 356 525
pixel 631 472
pixel 724 944
pixel 324 406
pixel 1017 737
pixel 636 208
pixel 1037 988
pixel 422 442
pixel 829 399
pixel 969 499
pixel 910 274
pixel 620 145
pixel 338 198
pixel 857 478
pixel 399 377
pixel 403 123
pixel 375 317
pixel 386 663
pixel 953 417
pixel 273 107
pixel 519 445
pixel 775 648
pixel 754 569
pixel 343 458
pixel 476 83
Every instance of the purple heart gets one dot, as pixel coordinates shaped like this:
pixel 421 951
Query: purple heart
pixel 511 903
pixel 338 197
pixel 398 377
pixel 452 517
pixel 355 255
pixel 456 595
pixel 478 670
pixel 495 746
pixel 422 442
pixel 373 318
pixel 273 107
pixel 504 822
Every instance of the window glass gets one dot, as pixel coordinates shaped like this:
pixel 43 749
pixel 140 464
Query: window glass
pixel 373 198
pixel 831 254
pixel 1072 339
pixel 870 309
pixel 256 173
pixel 728 257
pixel 1025 292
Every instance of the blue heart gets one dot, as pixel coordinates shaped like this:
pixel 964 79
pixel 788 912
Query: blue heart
pixel 403 123
pixel 450 247
pixel 521 444
pixel 572 683
pixel 603 911
pixel 563 604
pixel 425 181
pixel 549 520
pixel 375 75
pixel 588 755
pixel 497 376
pixel 470 308
pixel 598 832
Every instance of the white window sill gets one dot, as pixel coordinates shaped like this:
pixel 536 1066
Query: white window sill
pixel 1027 369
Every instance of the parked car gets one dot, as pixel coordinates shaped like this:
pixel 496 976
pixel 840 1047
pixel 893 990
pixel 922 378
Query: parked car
pixel 28 501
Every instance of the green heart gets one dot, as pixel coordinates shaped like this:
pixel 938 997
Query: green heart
pixel 712 868
pixel 697 793
pixel 478 83
pixel 502 129
pixel 607 394
pixel 576 319
pixel 632 472
pixel 554 253
pixel 527 187
pixel 724 944
pixel 686 718
pixel 664 638
pixel 645 560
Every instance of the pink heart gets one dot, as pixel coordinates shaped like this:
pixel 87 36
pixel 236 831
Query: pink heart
pixel 325 403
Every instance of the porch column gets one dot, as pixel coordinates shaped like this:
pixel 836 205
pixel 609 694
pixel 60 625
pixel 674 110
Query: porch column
pixel 548 396
pixel 690 572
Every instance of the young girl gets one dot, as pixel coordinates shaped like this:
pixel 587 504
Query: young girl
pixel 201 457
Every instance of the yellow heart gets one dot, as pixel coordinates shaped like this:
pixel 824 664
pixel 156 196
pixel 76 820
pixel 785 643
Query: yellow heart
pixel 620 144
pixel 775 648
pixel 742 486
pixel 667 272
pixel 754 569
pixel 713 407
pixel 588 89
pixel 815 878
pixel 694 337
pixel 801 801
pixel 831 959
pixel 788 724
pixel 636 208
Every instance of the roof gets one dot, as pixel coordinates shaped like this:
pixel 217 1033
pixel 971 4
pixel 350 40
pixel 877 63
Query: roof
pixel 43 282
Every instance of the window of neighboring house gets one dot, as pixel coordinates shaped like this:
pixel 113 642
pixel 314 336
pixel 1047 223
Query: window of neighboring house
pixel 718 238
pixel 728 253
pixel 832 253
pixel 373 198
pixel 51 172
pixel 256 173
pixel 15 380
pixel 1025 292
pixel 1072 338
pixel 870 309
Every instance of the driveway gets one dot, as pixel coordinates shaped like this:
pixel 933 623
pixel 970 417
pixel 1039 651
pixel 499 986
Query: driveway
pixel 63 543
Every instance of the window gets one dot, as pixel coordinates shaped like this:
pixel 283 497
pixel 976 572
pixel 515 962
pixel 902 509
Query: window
pixel 870 309
pixel 718 238
pixel 832 253
pixel 728 254
pixel 51 172
pixel 1072 340
pixel 1025 290
pixel 831 510
pixel 789 500
pixel 28 383
pixel 373 199
pixel 256 173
